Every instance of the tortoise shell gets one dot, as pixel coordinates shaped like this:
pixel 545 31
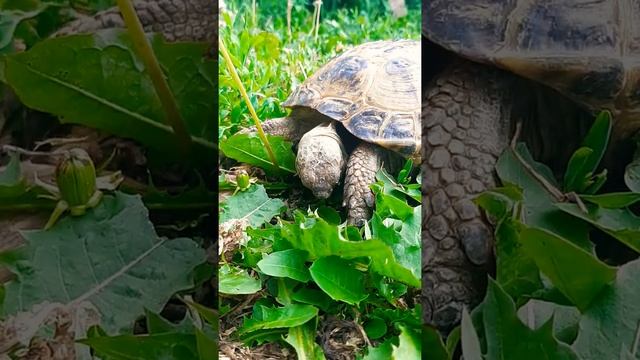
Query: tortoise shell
pixel 374 91
pixel 589 50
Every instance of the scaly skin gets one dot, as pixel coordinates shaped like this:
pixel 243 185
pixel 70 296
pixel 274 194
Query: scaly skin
pixel 363 164
pixel 177 20
pixel 466 124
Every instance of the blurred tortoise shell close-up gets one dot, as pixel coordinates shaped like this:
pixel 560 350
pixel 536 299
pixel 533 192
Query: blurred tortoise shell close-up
pixel 587 50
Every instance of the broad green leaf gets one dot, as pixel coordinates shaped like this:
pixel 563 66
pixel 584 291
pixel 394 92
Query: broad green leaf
pixel 470 342
pixel 159 346
pixel 405 243
pixel 576 178
pixel 579 275
pixel 499 202
pixel 375 328
pixel 409 346
pixel 339 279
pixel 597 139
pixel 611 321
pixel 585 160
pixel 284 289
pixel 287 263
pixel 92 260
pixel 253 206
pixel 312 297
pixel 389 205
pixel 302 338
pixel 539 210
pixel 283 317
pixel 380 352
pixel 75 79
pixel 536 313
pixel 248 148
pixel 434 348
pixel 206 344
pixel 508 338
pixel 156 324
pixel 613 200
pixel 577 173
pixel 622 224
pixel 235 281
pixel 516 270
pixel 320 239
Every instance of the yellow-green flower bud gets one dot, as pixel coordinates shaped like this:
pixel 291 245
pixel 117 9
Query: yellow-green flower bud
pixel 76 177
pixel 243 180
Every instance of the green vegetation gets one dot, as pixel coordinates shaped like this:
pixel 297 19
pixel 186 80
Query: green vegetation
pixel 291 272
pixel 554 295
pixel 124 275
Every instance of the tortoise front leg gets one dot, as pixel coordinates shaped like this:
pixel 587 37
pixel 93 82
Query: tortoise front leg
pixel 363 164
pixel 465 125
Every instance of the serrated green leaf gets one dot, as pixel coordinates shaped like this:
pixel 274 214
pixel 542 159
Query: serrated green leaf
pixel 156 324
pixel 249 149
pixel 508 338
pixel 287 263
pixel 516 270
pixel 380 352
pixel 312 297
pixel 206 345
pixel 611 321
pixel 536 313
pixel 282 317
pixel 73 263
pixel 130 347
pixel 409 346
pixel 405 243
pixel 622 224
pixel 302 339
pixel 320 239
pixel 579 275
pixel 613 200
pixel 74 78
pixel 253 206
pixel 339 279
pixel 235 281
pixel 433 346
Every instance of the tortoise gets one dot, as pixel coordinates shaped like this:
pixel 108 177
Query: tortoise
pixel 354 109
pixel 544 64
pixel 176 20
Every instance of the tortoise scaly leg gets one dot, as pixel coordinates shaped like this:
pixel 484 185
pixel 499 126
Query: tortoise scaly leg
pixel 465 125
pixel 363 164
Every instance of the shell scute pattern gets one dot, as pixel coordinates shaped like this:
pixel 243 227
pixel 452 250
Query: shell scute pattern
pixel 374 90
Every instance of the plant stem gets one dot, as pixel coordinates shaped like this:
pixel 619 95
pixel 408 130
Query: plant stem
pixel 243 91
pixel 152 65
